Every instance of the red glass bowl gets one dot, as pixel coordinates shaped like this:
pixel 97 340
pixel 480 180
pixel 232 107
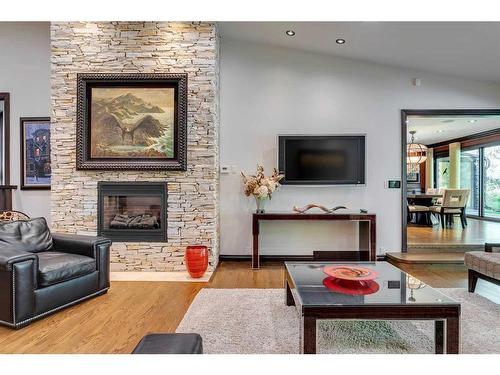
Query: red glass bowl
pixel 352 288
pixel 348 272
pixel 196 260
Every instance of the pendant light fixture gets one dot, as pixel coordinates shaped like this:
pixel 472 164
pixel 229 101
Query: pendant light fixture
pixel 416 153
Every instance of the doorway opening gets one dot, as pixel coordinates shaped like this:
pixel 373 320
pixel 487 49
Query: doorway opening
pixel 451 181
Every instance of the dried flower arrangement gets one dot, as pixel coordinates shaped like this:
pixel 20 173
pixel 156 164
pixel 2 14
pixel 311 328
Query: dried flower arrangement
pixel 260 186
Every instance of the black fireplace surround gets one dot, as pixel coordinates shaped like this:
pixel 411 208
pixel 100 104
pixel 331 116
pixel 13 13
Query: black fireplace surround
pixel 132 211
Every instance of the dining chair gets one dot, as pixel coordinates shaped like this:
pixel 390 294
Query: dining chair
pixel 414 209
pixel 439 200
pixel 454 202
pixel 436 191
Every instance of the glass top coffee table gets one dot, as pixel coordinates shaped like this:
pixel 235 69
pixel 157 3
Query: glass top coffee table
pixel 392 295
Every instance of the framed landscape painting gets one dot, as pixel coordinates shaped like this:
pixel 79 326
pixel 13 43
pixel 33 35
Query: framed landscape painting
pixel 132 121
pixel 35 153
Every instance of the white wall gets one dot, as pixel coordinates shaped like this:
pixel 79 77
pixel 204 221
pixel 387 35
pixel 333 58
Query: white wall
pixel 267 91
pixel 25 74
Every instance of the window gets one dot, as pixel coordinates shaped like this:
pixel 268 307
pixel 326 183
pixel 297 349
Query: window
pixel 470 179
pixel 442 172
pixel 491 169
pixel 479 172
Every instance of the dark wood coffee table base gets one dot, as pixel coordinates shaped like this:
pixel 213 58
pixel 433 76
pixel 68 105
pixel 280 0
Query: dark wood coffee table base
pixel 446 318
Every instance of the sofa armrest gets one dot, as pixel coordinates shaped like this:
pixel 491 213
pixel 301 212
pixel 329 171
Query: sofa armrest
pixel 18 273
pixel 11 255
pixel 81 245
pixel 492 247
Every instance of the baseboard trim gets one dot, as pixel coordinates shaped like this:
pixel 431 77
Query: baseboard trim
pixel 264 258
pixel 277 258
pixel 235 258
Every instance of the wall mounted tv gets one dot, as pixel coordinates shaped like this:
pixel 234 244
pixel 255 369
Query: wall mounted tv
pixel 322 160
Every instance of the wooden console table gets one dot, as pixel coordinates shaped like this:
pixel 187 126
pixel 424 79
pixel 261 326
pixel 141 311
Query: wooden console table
pixel 367 230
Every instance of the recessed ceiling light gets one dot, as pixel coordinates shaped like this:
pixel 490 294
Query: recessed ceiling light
pixel 340 41
pixel 472 121
pixel 290 33
pixel 440 131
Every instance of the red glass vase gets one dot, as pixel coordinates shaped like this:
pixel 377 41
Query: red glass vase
pixel 196 260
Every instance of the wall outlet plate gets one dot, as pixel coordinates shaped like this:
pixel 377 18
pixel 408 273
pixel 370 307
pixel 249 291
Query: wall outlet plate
pixel 394 284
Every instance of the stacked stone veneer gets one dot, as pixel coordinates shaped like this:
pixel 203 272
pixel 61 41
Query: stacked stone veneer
pixel 139 47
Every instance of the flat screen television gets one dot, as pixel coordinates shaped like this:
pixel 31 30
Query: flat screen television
pixel 322 160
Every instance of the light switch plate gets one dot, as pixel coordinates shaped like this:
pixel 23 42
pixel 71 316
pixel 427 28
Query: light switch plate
pixel 228 169
pixel 393 184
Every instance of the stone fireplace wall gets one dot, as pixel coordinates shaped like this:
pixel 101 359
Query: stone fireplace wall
pixel 140 47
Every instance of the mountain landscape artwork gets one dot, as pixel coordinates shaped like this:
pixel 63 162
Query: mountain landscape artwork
pixel 132 122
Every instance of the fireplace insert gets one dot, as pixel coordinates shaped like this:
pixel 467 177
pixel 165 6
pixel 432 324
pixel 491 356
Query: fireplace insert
pixel 132 211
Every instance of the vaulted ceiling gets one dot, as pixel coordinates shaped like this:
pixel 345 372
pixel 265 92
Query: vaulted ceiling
pixel 463 49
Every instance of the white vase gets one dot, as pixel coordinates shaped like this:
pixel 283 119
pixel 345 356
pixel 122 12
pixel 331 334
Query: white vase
pixel 261 203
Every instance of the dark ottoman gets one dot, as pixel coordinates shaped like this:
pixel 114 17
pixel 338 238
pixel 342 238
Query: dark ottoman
pixel 170 343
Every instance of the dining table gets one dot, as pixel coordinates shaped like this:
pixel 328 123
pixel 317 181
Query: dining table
pixel 420 199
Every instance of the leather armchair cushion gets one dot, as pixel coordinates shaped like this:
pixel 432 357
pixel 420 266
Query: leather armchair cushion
pixel 170 343
pixel 31 236
pixel 54 267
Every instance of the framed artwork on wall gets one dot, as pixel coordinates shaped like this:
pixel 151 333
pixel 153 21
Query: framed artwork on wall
pixel 35 153
pixel 413 177
pixel 131 121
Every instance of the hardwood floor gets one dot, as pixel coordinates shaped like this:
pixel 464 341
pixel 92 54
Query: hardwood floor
pixel 115 322
pixel 476 232
pixel 437 275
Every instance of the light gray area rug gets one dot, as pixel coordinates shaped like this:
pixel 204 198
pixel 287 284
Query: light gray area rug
pixel 256 321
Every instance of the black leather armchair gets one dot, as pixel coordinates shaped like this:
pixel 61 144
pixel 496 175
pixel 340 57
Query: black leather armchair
pixel 41 273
